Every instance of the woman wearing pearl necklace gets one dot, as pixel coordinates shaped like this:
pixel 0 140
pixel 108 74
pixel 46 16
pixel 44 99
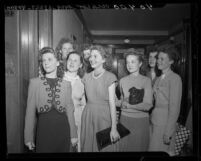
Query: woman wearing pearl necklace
pixel 100 110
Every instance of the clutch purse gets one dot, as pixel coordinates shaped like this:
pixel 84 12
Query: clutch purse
pixel 136 96
pixel 103 136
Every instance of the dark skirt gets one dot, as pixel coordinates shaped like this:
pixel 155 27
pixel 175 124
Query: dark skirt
pixel 53 132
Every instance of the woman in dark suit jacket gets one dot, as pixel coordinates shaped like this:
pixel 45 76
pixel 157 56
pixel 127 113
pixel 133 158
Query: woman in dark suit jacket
pixel 49 120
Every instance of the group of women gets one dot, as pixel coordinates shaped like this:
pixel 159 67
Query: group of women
pixel 74 98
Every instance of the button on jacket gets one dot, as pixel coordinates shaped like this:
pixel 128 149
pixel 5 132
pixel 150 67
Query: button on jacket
pixel 40 99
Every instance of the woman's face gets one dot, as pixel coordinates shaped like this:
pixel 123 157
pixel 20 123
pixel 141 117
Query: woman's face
pixel 86 54
pixel 96 59
pixel 164 61
pixel 132 63
pixel 152 59
pixel 66 49
pixel 73 63
pixel 49 62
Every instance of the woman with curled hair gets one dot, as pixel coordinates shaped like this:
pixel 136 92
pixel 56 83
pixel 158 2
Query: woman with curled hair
pixel 86 54
pixel 167 92
pixel 153 71
pixel 49 121
pixel 64 47
pixel 135 108
pixel 100 110
pixel 74 74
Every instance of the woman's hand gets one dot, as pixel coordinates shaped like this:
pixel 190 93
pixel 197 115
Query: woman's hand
pixel 74 141
pixel 117 102
pixel 114 135
pixel 125 103
pixel 81 103
pixel 30 145
pixel 166 139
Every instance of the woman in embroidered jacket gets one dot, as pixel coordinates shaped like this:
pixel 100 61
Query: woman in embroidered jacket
pixel 167 93
pixel 74 74
pixel 135 117
pixel 100 110
pixel 49 121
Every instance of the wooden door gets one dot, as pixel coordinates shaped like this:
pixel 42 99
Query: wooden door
pixel 26 32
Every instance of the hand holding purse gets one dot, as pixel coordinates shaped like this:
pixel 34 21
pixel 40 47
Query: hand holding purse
pixel 103 136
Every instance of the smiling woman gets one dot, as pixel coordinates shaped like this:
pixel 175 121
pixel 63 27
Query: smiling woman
pixel 168 93
pixel 135 116
pixel 27 31
pixel 50 98
pixel 74 74
pixel 100 110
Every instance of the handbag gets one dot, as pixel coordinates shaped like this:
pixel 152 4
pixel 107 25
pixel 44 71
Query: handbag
pixel 136 95
pixel 103 136
pixel 182 136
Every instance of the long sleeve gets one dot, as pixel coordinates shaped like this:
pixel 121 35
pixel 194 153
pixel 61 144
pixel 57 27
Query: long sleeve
pixel 147 100
pixel 174 104
pixel 70 112
pixel 30 117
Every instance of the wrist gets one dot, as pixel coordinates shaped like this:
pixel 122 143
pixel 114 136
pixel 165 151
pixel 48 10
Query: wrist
pixel 114 127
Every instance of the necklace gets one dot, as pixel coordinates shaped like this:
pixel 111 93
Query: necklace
pixel 99 75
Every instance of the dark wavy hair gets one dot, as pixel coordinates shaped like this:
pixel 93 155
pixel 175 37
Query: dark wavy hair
pixel 172 53
pixel 140 56
pixel 157 71
pixel 60 71
pixel 105 54
pixel 80 70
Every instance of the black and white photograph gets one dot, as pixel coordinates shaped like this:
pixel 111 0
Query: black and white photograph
pixel 101 79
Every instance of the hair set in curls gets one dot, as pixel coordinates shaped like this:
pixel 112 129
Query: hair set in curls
pixel 105 54
pixel 140 56
pixel 60 71
pixel 172 53
pixel 80 70
pixel 154 49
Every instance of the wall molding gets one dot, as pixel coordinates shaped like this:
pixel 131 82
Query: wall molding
pixel 129 33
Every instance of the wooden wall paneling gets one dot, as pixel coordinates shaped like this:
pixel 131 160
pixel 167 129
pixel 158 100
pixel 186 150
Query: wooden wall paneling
pixel 28 33
pixel 12 82
pixel 24 67
pixel 35 32
pixel 33 43
pixel 45 28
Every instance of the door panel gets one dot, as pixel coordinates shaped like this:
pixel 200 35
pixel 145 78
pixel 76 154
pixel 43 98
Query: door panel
pixel 25 33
